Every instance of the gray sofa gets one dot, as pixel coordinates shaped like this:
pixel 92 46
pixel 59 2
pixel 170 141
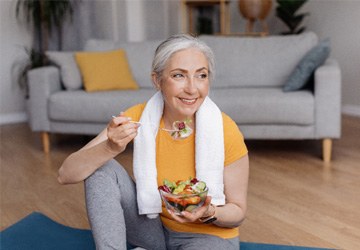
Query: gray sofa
pixel 250 73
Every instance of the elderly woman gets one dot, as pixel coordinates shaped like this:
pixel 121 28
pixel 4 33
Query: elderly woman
pixel 123 210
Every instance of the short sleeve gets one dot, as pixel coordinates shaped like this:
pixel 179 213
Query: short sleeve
pixel 135 111
pixel 234 144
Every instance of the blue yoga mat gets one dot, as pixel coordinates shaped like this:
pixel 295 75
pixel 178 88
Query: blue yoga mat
pixel 38 232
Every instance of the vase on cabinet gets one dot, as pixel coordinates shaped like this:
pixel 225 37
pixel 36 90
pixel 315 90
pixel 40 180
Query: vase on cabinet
pixel 253 10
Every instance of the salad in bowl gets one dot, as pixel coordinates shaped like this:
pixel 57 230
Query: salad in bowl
pixel 183 195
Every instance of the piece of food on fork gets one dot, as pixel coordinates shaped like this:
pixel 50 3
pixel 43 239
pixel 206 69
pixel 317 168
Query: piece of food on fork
pixel 113 116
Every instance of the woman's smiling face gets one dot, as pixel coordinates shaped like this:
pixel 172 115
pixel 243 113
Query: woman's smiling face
pixel 184 83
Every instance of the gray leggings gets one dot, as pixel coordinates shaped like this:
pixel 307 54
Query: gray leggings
pixel 114 219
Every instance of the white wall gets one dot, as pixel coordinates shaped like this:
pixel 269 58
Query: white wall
pixel 340 20
pixel 13 39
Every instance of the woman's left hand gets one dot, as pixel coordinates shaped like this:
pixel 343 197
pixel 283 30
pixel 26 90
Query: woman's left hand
pixel 195 215
pixel 231 214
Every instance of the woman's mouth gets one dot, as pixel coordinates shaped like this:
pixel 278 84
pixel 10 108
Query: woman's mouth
pixel 188 101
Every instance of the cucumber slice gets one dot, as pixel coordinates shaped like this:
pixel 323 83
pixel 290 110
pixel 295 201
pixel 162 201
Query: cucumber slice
pixel 179 188
pixel 200 186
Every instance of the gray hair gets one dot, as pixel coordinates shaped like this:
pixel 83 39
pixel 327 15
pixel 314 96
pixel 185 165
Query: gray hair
pixel 176 43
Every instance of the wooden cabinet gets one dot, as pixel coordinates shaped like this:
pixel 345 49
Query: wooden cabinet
pixel 189 6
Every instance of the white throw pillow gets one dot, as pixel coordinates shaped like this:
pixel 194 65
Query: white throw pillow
pixel 69 70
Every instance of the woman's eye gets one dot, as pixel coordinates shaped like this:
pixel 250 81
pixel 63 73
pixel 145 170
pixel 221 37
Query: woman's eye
pixel 177 75
pixel 203 76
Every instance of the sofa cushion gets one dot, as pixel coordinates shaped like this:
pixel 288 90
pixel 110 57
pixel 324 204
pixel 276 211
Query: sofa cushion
pixel 257 62
pixel 140 56
pixel 107 70
pixel 94 107
pixel 306 67
pixel 266 105
pixel 70 73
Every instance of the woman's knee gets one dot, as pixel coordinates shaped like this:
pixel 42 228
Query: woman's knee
pixel 112 166
pixel 111 176
pixel 109 170
pixel 103 184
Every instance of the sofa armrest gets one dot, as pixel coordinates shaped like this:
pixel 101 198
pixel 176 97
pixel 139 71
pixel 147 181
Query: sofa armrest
pixel 328 100
pixel 42 83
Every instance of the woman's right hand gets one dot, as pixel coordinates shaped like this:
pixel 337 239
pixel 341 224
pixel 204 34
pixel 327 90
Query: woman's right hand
pixel 120 132
pixel 108 144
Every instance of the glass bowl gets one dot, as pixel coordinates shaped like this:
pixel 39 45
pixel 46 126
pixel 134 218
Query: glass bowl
pixel 183 202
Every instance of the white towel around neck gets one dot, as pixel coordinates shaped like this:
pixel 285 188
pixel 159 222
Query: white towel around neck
pixel 209 154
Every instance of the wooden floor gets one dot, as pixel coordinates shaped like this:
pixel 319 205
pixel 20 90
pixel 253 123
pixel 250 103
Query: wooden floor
pixel 294 198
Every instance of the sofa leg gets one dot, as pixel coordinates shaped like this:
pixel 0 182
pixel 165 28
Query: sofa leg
pixel 327 147
pixel 45 142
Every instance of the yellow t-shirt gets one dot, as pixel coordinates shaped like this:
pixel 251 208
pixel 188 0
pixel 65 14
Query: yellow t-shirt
pixel 175 160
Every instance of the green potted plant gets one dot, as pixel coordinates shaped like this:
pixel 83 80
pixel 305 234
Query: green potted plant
pixel 44 17
pixel 287 12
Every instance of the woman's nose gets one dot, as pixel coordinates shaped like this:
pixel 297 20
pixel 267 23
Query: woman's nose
pixel 190 85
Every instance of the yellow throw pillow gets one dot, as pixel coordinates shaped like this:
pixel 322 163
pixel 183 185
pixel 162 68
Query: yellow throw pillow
pixel 107 70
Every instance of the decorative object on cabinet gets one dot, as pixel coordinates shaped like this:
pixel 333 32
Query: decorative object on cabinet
pixel 253 10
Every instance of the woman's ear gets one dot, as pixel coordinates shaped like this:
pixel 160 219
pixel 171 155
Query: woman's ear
pixel 156 80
